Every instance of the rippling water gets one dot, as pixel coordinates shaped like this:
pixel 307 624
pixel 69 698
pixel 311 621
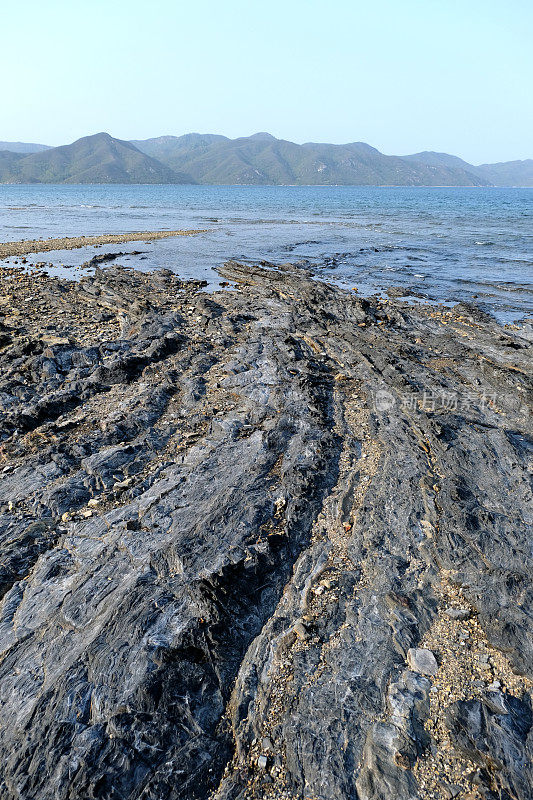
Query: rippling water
pixel 444 244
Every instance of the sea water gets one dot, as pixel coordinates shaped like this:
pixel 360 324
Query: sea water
pixel 436 244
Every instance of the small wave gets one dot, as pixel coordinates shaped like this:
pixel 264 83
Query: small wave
pixel 480 285
pixel 293 246
pixel 485 244
pixel 517 288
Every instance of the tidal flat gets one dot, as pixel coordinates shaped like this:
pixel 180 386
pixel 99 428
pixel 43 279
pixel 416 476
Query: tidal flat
pixel 265 542
pixel 36 246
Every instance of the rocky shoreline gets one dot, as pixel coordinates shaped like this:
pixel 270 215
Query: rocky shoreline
pixel 269 542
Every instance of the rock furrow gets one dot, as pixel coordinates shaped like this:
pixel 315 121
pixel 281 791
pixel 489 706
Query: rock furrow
pixel 232 528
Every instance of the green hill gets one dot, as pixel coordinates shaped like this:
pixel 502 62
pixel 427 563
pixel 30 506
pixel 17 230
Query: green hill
pixel 433 159
pixel 23 147
pixel 8 160
pixel 506 173
pixel 263 159
pixel 260 159
pixel 93 159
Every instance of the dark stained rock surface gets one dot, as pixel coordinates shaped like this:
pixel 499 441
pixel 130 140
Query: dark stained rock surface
pixel 494 734
pixel 225 520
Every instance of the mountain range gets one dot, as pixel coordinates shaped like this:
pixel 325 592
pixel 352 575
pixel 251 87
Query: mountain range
pixel 260 159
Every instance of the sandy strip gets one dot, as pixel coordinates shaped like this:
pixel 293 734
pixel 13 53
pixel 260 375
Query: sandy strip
pixel 8 249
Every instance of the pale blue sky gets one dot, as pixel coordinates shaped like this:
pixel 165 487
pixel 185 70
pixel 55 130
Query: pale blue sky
pixel 402 75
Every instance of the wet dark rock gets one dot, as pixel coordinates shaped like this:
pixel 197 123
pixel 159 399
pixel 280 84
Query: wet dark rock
pixel 222 524
pixel 103 257
pixel 499 743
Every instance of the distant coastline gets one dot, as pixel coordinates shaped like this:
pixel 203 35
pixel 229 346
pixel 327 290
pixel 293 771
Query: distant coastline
pixel 258 160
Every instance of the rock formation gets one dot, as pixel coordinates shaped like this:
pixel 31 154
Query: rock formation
pixel 229 525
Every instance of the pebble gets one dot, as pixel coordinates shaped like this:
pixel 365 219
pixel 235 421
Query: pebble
pixel 279 505
pixel 458 613
pixel 123 484
pixel 422 660
pixel 300 630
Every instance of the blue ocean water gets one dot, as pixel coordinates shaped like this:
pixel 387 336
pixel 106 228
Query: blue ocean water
pixel 445 244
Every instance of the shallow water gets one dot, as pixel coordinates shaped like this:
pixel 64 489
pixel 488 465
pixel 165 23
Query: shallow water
pixel 446 244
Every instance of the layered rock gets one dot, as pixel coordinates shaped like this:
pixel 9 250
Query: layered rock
pixel 227 520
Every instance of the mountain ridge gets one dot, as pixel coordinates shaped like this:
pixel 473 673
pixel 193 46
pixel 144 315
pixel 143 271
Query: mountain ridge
pixel 259 159
pixel 99 158
pixel 24 147
pixel 502 173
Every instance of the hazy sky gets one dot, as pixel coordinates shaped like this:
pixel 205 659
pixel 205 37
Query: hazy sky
pixel 402 75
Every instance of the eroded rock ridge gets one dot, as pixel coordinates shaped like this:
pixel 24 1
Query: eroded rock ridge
pixel 234 525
